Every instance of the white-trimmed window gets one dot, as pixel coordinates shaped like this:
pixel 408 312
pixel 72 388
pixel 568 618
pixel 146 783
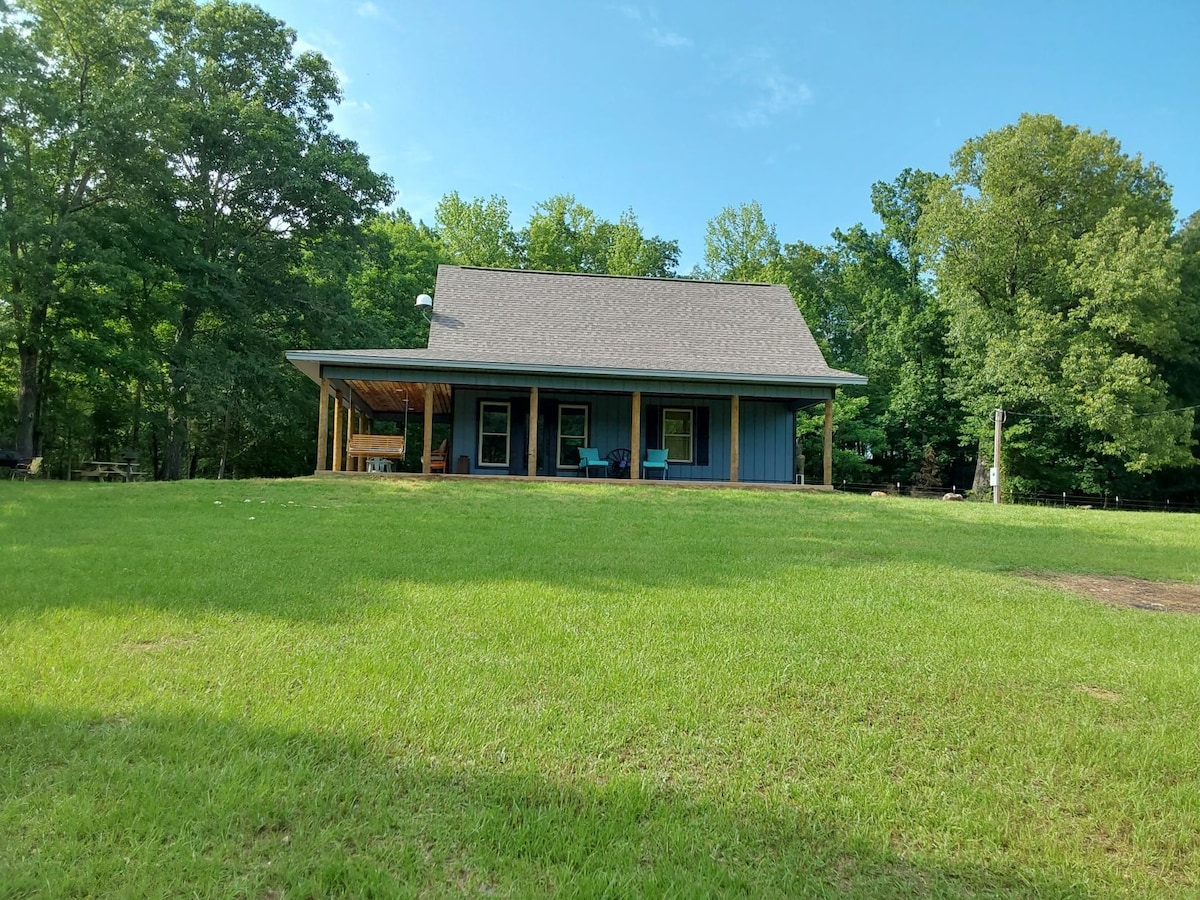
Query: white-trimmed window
pixel 572 433
pixel 678 431
pixel 494 418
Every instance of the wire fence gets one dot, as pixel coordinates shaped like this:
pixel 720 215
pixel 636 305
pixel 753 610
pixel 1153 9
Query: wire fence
pixel 1063 500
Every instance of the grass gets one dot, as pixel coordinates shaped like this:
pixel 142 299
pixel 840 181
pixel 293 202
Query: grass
pixel 313 688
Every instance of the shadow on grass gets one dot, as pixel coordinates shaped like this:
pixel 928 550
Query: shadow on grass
pixel 181 805
pixel 300 549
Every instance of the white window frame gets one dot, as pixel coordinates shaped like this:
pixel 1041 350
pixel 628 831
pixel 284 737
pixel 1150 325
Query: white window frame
pixel 587 424
pixel 483 406
pixel 691 433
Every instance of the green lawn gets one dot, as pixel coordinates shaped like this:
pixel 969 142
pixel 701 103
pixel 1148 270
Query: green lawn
pixel 309 688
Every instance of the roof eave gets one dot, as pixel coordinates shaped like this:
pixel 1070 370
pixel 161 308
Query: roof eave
pixel 310 362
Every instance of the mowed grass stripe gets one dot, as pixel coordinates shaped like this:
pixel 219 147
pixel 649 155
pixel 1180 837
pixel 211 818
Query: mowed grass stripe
pixel 406 687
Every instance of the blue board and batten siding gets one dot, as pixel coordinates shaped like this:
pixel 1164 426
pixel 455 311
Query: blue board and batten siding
pixel 766 432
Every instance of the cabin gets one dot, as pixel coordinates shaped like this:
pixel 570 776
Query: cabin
pixel 527 369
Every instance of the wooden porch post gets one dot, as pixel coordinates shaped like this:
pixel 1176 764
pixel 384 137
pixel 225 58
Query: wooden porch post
pixel 533 414
pixel 351 461
pixel 827 460
pixel 734 416
pixel 427 440
pixel 635 438
pixel 337 431
pixel 323 426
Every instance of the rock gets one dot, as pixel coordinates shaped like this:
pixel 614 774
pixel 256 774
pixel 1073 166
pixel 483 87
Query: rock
pixel 878 493
pixel 952 496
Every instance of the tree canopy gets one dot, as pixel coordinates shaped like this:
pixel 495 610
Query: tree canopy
pixel 177 209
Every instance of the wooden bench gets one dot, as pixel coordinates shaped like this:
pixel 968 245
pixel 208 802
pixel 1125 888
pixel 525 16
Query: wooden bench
pixel 385 446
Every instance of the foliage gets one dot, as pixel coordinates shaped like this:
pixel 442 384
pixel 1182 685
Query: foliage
pixel 176 210
pixel 1053 257
pixel 477 233
pixel 739 244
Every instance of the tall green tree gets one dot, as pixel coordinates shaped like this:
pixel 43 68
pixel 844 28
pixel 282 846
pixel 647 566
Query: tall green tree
pixel 259 176
pixel 630 252
pixel 739 244
pixel 563 235
pixel 478 232
pixel 1053 256
pixel 77 108
pixel 398 261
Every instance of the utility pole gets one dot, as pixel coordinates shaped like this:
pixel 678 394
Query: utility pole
pixel 996 458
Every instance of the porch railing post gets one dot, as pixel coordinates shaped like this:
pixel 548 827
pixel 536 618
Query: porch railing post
pixel 635 438
pixel 323 426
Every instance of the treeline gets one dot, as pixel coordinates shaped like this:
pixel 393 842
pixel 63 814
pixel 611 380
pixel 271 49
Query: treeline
pixel 176 211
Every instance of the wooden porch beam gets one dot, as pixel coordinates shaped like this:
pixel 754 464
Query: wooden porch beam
pixel 427 439
pixel 337 431
pixel 533 432
pixel 827 457
pixel 323 427
pixel 635 438
pixel 734 416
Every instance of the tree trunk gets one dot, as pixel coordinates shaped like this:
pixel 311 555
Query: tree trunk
pixel 27 400
pixel 177 401
pixel 981 482
pixel 177 438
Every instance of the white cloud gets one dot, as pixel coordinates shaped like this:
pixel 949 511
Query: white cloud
pixel 660 37
pixel 668 38
pixel 375 12
pixel 770 91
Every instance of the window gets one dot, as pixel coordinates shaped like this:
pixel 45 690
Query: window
pixel 572 434
pixel 677 435
pixel 493 433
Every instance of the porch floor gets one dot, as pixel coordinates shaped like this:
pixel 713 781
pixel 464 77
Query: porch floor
pixel 624 482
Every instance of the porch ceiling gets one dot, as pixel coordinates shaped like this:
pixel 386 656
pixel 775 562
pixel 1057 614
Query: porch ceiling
pixel 389 396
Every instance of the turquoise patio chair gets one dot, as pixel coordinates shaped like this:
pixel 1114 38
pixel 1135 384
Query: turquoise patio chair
pixel 656 459
pixel 590 458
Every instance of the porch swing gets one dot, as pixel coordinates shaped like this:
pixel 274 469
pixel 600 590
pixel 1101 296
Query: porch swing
pixel 377 450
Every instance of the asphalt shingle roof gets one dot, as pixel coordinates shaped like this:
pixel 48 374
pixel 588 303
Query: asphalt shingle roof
pixel 520 317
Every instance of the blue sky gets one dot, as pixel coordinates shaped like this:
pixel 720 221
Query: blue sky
pixel 678 109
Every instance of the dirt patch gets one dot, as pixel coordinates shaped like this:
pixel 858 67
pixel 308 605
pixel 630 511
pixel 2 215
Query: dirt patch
pixel 1098 692
pixel 1133 593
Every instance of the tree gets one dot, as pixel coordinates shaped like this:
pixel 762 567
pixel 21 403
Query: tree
pixel 76 108
pixel 258 177
pixel 563 235
pixel 739 244
pixel 398 261
pixel 477 233
pixel 632 253
pixel 899 203
pixel 1053 257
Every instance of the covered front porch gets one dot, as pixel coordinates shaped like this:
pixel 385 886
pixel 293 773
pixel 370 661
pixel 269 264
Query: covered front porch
pixel 533 425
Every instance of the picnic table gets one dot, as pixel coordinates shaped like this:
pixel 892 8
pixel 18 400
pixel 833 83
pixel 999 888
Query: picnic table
pixel 109 470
